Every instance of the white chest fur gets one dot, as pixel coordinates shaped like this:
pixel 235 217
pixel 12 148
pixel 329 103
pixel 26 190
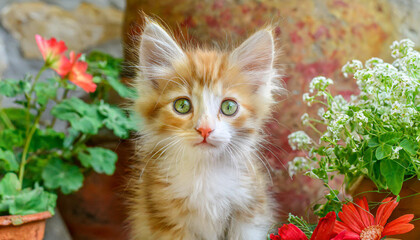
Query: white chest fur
pixel 213 190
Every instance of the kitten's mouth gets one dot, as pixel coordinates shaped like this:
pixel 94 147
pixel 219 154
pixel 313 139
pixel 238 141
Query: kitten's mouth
pixel 204 143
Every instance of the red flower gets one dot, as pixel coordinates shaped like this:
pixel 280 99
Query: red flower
pixel 358 220
pixel 323 231
pixel 52 51
pixel 76 72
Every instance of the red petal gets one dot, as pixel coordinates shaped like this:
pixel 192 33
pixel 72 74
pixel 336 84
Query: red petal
pixel 339 227
pixel 40 41
pixel 351 217
pixel 399 226
pixel 344 235
pixel 363 208
pixel 63 66
pixel 325 227
pixel 274 237
pixel 291 232
pixel 384 211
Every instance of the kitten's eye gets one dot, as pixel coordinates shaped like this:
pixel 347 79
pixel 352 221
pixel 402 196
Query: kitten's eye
pixel 182 105
pixel 229 107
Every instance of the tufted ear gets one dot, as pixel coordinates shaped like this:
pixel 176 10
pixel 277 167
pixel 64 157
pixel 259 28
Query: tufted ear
pixel 255 56
pixel 158 51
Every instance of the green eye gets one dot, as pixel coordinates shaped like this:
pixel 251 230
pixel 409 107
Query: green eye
pixel 182 105
pixel 229 107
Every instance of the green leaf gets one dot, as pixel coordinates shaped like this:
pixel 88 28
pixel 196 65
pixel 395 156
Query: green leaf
pixel 58 174
pixel 9 185
pixel 82 117
pixel 46 91
pixel 390 137
pixel 409 146
pixel 46 139
pixel 33 201
pixel 18 117
pixel 373 142
pixel 68 141
pixel 11 87
pixel 352 157
pixel 383 151
pixel 100 159
pixel 367 156
pixel 393 173
pixel 121 89
pixel 116 120
pixel 11 138
pixel 8 161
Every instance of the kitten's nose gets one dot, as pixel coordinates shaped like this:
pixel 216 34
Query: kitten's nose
pixel 204 131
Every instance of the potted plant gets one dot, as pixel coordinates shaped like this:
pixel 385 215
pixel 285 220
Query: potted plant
pixel 37 158
pixel 370 137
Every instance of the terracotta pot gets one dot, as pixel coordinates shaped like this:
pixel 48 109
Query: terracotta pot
pixel 409 204
pixel 25 227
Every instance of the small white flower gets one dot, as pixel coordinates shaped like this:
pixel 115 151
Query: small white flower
pixel 298 164
pixel 319 83
pixel 321 112
pixel 395 152
pixel 305 119
pixel 308 99
pixel 351 67
pixel 371 63
pixel 299 140
pixel 359 116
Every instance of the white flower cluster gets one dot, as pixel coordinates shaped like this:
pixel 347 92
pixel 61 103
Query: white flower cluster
pixel 389 101
pixel 319 83
pixel 299 140
pixel 299 164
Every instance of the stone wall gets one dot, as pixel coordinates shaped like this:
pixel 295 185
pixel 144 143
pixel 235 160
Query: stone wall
pixel 82 24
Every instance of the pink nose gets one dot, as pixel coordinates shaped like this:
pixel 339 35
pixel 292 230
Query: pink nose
pixel 204 131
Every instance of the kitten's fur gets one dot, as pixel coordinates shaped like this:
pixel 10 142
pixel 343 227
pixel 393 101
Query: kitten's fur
pixel 187 191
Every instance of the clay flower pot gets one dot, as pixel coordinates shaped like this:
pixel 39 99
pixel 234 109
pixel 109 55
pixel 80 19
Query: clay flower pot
pixel 26 227
pixel 409 203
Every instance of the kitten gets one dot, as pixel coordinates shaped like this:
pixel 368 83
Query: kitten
pixel 200 174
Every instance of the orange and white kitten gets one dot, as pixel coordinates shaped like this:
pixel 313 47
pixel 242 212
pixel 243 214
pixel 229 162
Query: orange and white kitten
pixel 201 176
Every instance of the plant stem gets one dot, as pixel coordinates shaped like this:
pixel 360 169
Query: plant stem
pixel 26 147
pixel 29 95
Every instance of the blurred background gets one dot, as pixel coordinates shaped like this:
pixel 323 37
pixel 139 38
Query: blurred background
pixel 316 37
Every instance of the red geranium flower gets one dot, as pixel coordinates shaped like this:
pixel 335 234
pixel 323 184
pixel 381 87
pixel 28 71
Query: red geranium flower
pixel 52 51
pixel 323 231
pixel 358 220
pixel 78 75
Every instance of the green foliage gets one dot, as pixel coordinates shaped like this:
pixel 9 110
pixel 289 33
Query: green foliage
pixel 105 69
pixel 58 174
pixel 8 161
pixel 16 201
pixel 333 204
pixel 100 159
pixel 83 117
pixel 36 159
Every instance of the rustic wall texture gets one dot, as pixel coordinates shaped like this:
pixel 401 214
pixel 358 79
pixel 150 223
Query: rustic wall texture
pixel 316 36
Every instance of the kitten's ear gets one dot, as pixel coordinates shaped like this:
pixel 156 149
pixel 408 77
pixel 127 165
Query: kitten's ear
pixel 255 56
pixel 158 50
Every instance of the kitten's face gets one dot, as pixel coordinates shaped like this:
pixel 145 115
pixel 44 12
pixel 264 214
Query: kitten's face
pixel 204 101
